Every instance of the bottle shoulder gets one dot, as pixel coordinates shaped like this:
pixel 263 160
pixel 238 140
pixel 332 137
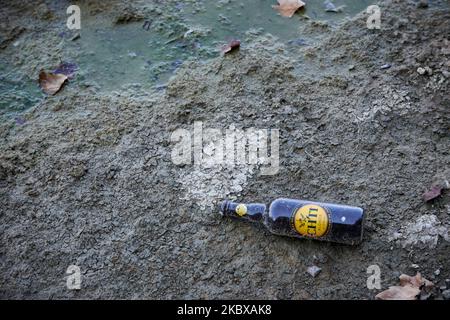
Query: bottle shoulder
pixel 283 205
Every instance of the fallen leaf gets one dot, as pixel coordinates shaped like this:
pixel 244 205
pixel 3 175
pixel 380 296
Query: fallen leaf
pixel 233 44
pixel 417 281
pixel 409 289
pixel 287 8
pixel 51 83
pixel 433 193
pixel 67 68
pixel 399 293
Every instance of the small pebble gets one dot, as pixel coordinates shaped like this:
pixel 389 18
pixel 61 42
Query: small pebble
pixel 437 272
pixel 385 66
pixel 314 271
pixel 415 266
pixel 421 71
pixel 446 294
pixel 447 283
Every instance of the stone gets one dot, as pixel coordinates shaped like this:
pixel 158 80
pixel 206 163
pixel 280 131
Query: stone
pixel 447 283
pixel 446 294
pixel 314 271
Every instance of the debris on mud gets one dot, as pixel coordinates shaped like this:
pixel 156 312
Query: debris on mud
pixel 314 271
pixel 410 288
pixel 423 233
pixel 440 183
pixel 421 70
pixel 67 68
pixel 432 193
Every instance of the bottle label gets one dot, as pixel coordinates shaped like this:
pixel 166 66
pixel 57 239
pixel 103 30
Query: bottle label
pixel 311 221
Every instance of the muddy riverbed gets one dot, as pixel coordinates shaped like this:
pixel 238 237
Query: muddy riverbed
pixel 87 176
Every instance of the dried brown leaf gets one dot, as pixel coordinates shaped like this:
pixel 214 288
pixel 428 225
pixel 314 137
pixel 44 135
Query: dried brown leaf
pixel 51 83
pixel 233 44
pixel 417 281
pixel 409 289
pixel 287 8
pixel 399 293
pixel 434 192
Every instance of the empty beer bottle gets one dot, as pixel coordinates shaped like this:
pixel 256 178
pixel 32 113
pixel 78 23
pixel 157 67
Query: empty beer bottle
pixel 303 219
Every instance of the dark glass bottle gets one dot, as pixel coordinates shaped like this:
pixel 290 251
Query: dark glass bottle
pixel 303 219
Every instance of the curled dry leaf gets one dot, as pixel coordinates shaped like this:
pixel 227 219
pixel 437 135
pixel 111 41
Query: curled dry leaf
pixel 440 183
pixel 433 193
pixel 409 289
pixel 287 8
pixel 416 281
pixel 233 44
pixel 399 293
pixel 51 83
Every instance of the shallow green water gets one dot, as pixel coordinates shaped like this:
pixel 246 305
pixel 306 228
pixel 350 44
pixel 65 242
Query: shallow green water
pixel 120 56
pixel 17 92
pixel 231 18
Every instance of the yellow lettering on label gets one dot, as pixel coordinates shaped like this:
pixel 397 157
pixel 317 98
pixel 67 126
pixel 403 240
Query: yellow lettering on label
pixel 311 221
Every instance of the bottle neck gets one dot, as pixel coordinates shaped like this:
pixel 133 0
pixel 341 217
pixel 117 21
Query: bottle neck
pixel 245 211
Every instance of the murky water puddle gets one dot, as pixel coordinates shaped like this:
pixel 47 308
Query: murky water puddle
pixel 17 93
pixel 141 56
